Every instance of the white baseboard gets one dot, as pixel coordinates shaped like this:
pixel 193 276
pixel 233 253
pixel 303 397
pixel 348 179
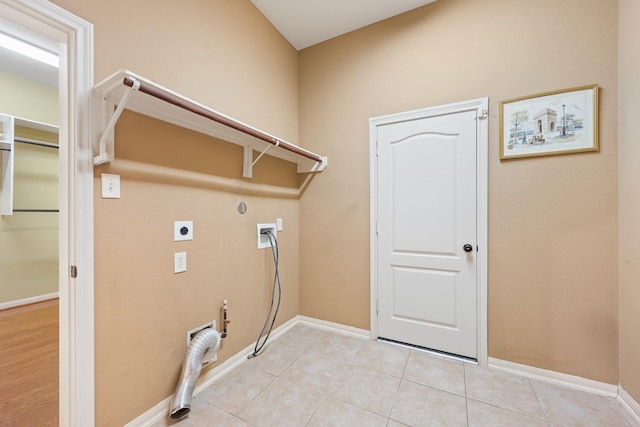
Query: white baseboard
pixel 564 380
pixel 632 407
pixel 162 409
pixel 333 327
pixel 27 301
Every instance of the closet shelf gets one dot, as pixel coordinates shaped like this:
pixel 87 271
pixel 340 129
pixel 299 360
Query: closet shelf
pixel 7 142
pixel 125 89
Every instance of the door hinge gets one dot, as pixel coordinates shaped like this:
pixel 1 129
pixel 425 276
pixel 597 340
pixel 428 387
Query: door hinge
pixel 74 271
pixel 483 114
pixel 377 307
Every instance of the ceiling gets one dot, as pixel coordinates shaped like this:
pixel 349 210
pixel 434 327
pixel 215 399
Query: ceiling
pixel 14 63
pixel 307 22
pixel 302 22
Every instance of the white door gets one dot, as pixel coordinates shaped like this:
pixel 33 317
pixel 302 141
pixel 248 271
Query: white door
pixel 426 231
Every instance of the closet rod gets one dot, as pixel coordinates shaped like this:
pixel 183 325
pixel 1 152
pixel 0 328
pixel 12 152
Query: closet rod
pixel 36 210
pixel 128 81
pixel 38 143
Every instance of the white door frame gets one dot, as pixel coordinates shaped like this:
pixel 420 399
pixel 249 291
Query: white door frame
pixel 482 105
pixel 75 38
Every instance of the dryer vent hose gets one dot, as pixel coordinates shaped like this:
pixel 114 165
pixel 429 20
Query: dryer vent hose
pixel 204 343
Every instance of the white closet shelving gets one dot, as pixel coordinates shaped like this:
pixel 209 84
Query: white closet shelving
pixel 125 89
pixel 7 148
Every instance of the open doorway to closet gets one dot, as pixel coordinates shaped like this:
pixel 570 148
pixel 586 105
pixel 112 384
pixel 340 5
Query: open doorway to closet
pixel 57 200
pixel 29 230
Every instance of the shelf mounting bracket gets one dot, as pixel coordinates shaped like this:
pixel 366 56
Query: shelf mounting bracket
pixel 108 136
pixel 247 166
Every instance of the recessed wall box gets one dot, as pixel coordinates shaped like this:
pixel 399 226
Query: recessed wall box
pixel 263 237
pixel 182 230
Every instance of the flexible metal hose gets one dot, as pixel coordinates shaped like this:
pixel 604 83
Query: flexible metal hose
pixel 207 341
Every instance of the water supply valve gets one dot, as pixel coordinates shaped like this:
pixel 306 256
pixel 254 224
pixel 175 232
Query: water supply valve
pixel 225 320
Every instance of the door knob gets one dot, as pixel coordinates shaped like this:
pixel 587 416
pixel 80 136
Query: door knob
pixel 467 248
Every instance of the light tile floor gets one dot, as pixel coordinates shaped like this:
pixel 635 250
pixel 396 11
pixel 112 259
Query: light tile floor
pixel 312 377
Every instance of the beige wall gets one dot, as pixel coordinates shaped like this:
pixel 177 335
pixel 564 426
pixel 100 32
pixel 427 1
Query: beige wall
pixel 226 55
pixel 29 241
pixel 629 164
pixel 28 99
pixel 552 221
pixel 223 54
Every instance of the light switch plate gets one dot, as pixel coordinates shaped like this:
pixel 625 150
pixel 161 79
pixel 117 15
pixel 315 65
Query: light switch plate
pixel 110 186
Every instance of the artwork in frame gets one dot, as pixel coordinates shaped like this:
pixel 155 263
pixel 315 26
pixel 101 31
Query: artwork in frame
pixel 558 122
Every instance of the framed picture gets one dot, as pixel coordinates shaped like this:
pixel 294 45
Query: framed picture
pixel 558 122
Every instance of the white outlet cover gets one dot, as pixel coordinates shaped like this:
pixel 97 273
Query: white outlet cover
pixel 182 230
pixel 180 262
pixel 110 186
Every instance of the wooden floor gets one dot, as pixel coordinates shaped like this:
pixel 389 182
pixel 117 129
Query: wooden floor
pixel 29 365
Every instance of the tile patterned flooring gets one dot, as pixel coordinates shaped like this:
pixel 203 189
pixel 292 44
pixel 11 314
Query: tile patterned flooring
pixel 313 377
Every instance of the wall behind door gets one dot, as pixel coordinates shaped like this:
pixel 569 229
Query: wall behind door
pixel 29 241
pixel 552 221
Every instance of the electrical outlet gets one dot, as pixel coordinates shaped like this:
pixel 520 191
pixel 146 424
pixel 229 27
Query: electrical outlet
pixel 279 225
pixel 263 238
pixel 180 262
pixel 182 230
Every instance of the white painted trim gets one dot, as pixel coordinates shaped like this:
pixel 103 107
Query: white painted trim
pixel 77 401
pixel 75 40
pixel 161 410
pixel 482 216
pixel 553 377
pixel 482 206
pixel 334 327
pixel 631 407
pixel 28 301
pixel 373 227
pixel 629 404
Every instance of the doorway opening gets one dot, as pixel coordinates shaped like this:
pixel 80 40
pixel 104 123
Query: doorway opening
pixel 73 38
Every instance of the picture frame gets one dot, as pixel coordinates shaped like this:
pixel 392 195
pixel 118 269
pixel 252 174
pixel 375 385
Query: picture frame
pixel 557 122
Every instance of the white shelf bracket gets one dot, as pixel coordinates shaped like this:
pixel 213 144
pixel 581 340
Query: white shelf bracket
pixel 108 136
pixel 247 169
pixel 306 165
pixel 247 166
